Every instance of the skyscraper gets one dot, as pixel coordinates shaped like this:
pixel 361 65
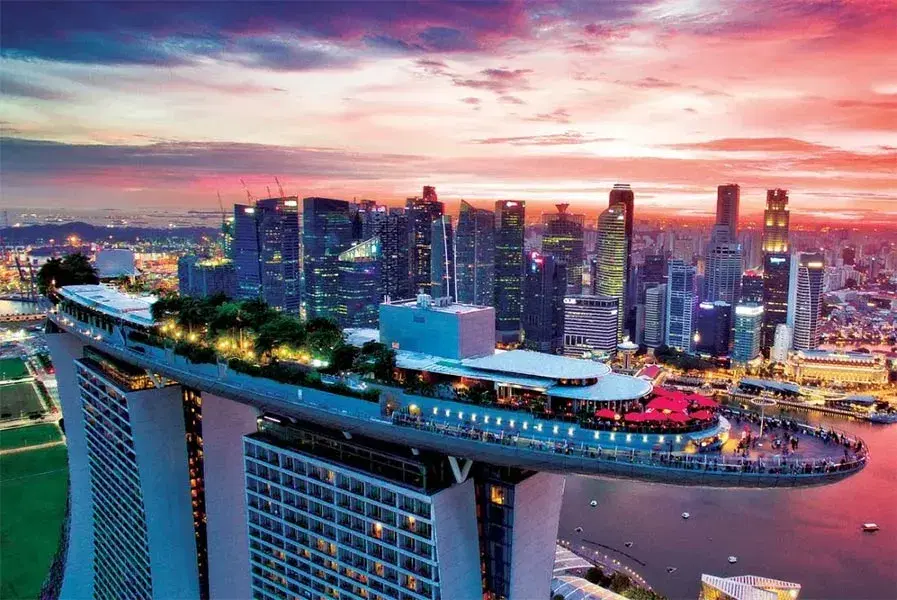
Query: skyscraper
pixel 442 263
pixel 723 271
pixel 590 326
pixel 622 194
pixel 751 287
pixel 655 316
pixel 782 343
pixel 562 239
pixel 361 284
pixel 509 231
pixel 805 298
pixel 611 274
pixel 421 214
pixel 545 285
pixel 776 263
pixel 266 252
pixel 713 327
pixel 394 237
pixel 201 277
pixel 681 301
pixel 748 326
pixel 728 197
pixel 475 255
pixel 326 233
pixel 654 271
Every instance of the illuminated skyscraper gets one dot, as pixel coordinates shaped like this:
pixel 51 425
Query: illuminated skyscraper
pixel 509 230
pixel 748 326
pixel 562 239
pixel 361 284
pixel 590 326
pixel 805 298
pixel 655 316
pixel 680 306
pixel 751 287
pixel 442 264
pixel 622 194
pixel 611 274
pixel 475 255
pixel 723 270
pixel 776 263
pixel 728 197
pixel 543 303
pixel 421 214
pixel 266 252
pixel 394 237
pixel 326 233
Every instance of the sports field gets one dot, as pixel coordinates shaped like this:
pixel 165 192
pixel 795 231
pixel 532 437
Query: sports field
pixel 32 506
pixel 18 399
pixel 12 369
pixel 33 435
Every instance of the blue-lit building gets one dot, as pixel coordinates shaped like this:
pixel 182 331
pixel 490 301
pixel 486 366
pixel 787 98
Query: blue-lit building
pixel 475 255
pixel 266 252
pixel 509 233
pixel 748 330
pixel 680 306
pixel 326 233
pixel 361 284
pixel 201 277
pixel 713 328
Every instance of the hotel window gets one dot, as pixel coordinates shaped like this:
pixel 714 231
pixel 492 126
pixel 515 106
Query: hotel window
pixel 497 495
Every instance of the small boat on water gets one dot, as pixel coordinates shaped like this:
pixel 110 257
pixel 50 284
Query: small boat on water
pixel 593 503
pixel 733 560
pixel 881 417
pixel 670 569
pixel 685 515
pixel 870 527
pixel 578 530
pixel 628 544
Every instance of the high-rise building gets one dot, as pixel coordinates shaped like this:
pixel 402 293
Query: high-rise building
pixel 545 286
pixel 655 316
pixel 654 271
pixel 562 238
pixel 612 260
pixel 266 252
pixel 373 218
pixel 590 326
pixel 361 284
pixel 782 344
pixel 394 237
pixel 509 232
pixel 751 287
pixel 326 233
pixel 475 255
pixel 442 263
pixel 680 307
pixel 848 255
pixel 776 263
pixel 748 327
pixel 713 327
pixel 728 198
pixel 622 195
pixel 201 277
pixel 722 276
pixel 421 214
pixel 805 298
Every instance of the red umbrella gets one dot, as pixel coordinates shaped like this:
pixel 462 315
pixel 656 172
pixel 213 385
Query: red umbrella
pixel 667 403
pixel 701 415
pixel 635 417
pixel 655 416
pixel 605 413
pixel 678 417
pixel 703 401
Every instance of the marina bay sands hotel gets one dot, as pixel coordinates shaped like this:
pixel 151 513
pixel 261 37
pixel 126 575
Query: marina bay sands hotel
pixel 195 480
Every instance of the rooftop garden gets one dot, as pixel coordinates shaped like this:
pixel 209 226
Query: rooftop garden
pixel 255 339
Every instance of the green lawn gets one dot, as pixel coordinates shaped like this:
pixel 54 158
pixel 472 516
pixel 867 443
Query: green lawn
pixel 32 505
pixel 29 436
pixel 18 399
pixel 12 368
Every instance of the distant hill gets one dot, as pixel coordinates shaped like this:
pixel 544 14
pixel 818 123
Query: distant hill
pixel 42 234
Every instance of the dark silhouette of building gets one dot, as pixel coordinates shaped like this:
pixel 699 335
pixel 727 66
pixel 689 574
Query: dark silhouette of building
pixel 714 326
pixel 728 198
pixel 421 214
pixel 509 232
pixel 751 287
pixel 543 303
pixel 562 238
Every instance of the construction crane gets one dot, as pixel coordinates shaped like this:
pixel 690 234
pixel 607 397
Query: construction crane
pixel 279 187
pixel 221 208
pixel 246 189
pixel 29 279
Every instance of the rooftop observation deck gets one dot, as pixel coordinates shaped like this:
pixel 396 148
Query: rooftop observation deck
pixel 496 443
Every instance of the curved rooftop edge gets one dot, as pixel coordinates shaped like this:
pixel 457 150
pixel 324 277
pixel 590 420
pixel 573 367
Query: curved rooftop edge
pixel 356 416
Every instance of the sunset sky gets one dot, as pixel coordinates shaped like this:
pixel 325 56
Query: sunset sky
pixel 162 104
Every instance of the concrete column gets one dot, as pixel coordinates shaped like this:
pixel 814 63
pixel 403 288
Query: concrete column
pixel 457 546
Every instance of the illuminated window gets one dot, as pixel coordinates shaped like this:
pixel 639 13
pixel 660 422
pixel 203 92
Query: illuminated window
pixel 497 495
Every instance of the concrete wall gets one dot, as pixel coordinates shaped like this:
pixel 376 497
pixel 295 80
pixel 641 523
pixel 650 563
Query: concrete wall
pixel 157 426
pixel 537 511
pixel 457 542
pixel 77 580
pixel 436 332
pixel 224 423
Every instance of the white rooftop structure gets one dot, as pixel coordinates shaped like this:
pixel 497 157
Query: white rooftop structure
pixel 115 262
pixel 571 587
pixel 751 587
pixel 538 364
pixel 443 305
pixel 111 302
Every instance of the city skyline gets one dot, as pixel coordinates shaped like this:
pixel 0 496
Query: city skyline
pixel 544 103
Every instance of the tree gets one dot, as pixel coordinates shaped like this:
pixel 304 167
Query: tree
pixel 596 575
pixel 279 331
pixel 619 582
pixel 343 358
pixel 324 335
pixel 73 269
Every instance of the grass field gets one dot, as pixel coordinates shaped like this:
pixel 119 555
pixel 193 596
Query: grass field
pixel 12 368
pixel 32 435
pixel 18 399
pixel 32 506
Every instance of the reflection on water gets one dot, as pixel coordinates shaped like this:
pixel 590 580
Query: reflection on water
pixel 811 536
pixel 9 307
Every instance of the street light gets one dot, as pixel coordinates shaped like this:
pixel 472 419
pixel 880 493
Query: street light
pixel 762 403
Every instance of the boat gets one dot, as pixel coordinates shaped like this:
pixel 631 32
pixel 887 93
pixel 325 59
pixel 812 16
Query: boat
pixel 733 560
pixel 685 515
pixel 870 527
pixel 628 544
pixel 670 569
pixel 578 530
pixel 593 503
pixel 884 418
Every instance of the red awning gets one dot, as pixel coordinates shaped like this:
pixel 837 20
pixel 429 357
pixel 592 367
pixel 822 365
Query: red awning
pixel 701 415
pixel 605 413
pixel 655 416
pixel 667 403
pixel 703 401
pixel 678 417
pixel 634 417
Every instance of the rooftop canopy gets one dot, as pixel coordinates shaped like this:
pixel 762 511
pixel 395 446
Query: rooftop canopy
pixel 112 302
pixel 537 364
